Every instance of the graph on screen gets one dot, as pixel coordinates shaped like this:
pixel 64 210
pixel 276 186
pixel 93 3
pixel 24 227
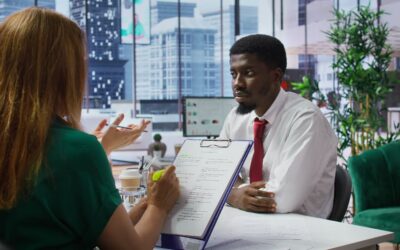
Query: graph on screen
pixel 205 116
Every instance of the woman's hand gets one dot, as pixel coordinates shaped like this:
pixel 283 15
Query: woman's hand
pixel 115 137
pixel 98 132
pixel 165 192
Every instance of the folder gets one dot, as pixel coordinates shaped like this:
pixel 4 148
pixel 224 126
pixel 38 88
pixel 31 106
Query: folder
pixel 207 170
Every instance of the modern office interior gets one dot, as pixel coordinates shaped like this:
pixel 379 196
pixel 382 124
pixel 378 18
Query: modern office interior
pixel 167 61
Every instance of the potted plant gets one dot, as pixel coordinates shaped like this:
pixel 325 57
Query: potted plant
pixel 363 56
pixel 356 106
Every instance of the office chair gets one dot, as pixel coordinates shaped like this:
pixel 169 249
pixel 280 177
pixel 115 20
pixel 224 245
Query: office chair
pixel 375 174
pixel 341 194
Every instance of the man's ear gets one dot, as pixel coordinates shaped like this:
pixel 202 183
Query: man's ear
pixel 277 75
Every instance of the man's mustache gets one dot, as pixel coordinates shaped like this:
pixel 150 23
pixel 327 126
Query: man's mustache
pixel 240 92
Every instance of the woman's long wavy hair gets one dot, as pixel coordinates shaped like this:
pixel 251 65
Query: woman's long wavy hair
pixel 42 76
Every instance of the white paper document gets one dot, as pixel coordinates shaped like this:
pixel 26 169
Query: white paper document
pixel 206 169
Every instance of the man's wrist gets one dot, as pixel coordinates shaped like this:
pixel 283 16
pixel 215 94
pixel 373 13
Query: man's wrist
pixel 232 197
pixel 243 185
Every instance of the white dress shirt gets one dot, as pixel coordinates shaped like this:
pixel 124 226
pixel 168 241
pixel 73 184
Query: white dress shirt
pixel 300 153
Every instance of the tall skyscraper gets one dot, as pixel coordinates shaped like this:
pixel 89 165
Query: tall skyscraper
pixel 161 10
pixel 102 21
pixel 50 4
pixel 9 6
pixel 157 63
pixel 197 59
pixel 248 25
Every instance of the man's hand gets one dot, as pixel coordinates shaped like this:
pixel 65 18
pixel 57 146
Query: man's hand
pixel 251 198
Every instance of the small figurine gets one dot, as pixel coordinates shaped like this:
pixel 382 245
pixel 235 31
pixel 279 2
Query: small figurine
pixel 157 148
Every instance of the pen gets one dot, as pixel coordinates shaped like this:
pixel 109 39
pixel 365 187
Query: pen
pixel 141 165
pixel 118 126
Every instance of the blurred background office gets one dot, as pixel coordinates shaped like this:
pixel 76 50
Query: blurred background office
pixel 181 48
pixel 168 61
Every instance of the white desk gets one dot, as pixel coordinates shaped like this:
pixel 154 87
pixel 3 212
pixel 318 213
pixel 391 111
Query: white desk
pixel 237 229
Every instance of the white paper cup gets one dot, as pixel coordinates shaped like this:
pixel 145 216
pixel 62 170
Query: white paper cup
pixel 130 179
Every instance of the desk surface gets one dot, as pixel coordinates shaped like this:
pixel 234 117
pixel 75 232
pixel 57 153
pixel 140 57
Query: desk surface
pixel 237 229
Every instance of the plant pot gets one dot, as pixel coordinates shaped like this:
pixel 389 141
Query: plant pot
pixel 157 154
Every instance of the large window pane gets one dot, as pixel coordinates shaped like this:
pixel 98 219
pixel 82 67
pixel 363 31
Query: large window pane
pixel 50 4
pixel 157 66
pixel 249 17
pixel 393 20
pixel 199 60
pixel 228 38
pixel 347 4
pixel 307 47
pixel 9 6
pixel 319 15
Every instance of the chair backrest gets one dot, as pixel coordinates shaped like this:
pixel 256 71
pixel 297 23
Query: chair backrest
pixel 375 174
pixel 341 194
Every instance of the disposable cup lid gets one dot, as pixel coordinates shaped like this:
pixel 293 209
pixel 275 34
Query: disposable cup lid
pixel 130 173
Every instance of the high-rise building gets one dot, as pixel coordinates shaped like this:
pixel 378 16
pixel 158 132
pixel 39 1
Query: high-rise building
pixel 9 6
pixel 197 59
pixel 161 10
pixel 248 25
pixel 50 4
pixel 145 87
pixel 102 21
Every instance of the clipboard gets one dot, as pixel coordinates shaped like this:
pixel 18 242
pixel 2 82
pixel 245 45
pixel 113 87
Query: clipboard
pixel 202 166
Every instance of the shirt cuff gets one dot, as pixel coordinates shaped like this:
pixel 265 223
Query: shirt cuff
pixel 243 185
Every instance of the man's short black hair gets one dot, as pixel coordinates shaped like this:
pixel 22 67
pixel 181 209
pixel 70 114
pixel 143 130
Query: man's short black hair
pixel 267 48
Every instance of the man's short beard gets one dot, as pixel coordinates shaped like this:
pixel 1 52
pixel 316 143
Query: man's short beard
pixel 245 109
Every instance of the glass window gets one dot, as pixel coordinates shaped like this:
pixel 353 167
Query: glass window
pixel 156 72
pixel 347 4
pixel 51 4
pixel 249 17
pixel 372 3
pixel 8 7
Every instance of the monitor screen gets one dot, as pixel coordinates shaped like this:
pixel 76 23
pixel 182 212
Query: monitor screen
pixel 205 116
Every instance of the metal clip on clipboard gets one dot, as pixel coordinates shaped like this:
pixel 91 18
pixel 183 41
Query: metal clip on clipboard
pixel 208 143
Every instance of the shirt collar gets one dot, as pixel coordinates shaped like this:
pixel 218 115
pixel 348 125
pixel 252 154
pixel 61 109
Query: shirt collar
pixel 273 111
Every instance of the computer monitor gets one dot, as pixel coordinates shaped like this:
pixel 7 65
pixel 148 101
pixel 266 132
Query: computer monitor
pixel 205 116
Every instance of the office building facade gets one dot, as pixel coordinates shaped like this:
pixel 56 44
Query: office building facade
pixel 106 77
pixel 248 25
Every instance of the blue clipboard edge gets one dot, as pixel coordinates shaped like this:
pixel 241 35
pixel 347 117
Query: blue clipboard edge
pixel 210 227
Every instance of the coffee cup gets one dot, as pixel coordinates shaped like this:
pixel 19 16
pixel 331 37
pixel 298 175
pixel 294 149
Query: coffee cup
pixel 130 179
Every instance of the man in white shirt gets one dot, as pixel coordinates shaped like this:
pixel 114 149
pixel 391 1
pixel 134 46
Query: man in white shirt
pixel 293 165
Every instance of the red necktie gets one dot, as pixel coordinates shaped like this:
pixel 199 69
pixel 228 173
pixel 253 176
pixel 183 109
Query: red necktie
pixel 258 155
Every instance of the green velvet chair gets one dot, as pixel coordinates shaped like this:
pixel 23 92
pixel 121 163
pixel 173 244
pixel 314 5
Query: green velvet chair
pixel 376 181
